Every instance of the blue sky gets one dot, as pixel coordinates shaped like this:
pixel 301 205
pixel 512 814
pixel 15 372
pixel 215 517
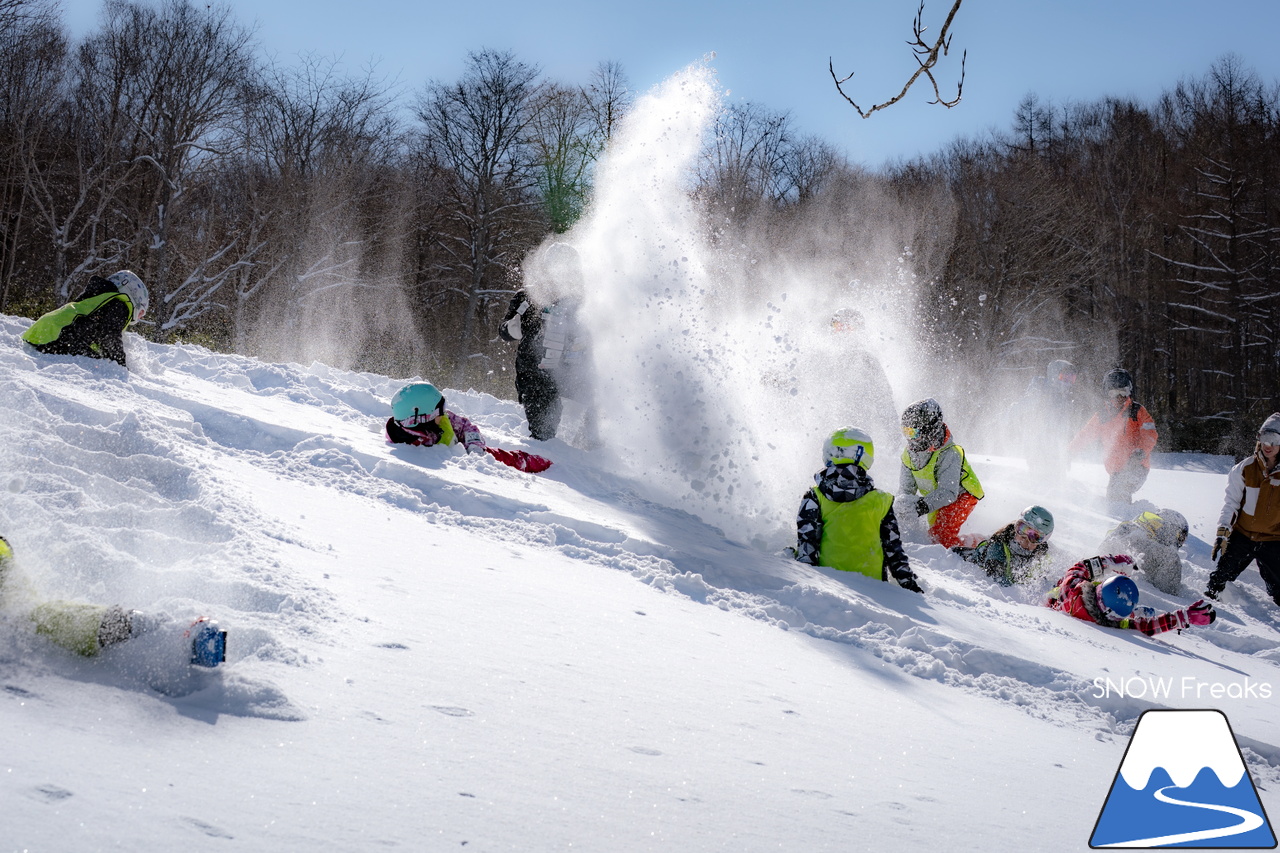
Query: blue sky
pixel 776 53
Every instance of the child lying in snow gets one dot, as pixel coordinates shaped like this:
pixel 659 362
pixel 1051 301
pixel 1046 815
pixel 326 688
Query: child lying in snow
pixel 1113 602
pixel 418 417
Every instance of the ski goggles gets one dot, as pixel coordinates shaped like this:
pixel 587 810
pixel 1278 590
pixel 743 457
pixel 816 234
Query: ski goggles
pixel 417 420
pixel 910 432
pixel 1269 439
pixel 1067 377
pixel 1118 393
pixel 1028 532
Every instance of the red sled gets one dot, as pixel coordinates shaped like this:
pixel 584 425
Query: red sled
pixel 520 460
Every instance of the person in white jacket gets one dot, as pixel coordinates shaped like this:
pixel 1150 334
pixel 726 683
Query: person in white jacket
pixel 1249 526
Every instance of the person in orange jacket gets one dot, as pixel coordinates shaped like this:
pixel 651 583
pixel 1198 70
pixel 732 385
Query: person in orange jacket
pixel 1127 433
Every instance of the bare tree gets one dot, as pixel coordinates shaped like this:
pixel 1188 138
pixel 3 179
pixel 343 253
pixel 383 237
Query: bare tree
pixel 319 141
pixel 170 79
pixel 926 56
pixel 32 59
pixel 745 161
pixel 560 136
pixel 609 97
pixel 1224 264
pixel 477 131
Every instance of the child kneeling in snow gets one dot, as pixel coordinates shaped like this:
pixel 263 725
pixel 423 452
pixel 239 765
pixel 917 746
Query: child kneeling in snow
pixel 935 468
pixel 1113 602
pixel 418 417
pixel 1013 553
pixel 1153 539
pixel 845 522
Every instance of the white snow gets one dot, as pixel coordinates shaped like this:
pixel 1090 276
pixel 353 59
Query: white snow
pixel 431 651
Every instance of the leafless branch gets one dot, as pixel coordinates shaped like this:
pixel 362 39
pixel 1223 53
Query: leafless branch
pixel 926 56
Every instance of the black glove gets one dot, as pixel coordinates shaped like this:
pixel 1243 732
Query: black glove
pixel 922 508
pixel 910 583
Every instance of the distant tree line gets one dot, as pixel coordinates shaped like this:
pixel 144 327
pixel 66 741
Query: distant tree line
pixel 268 205
pixel 295 211
pixel 1121 234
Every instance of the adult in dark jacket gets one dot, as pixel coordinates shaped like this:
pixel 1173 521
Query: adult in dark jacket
pixel 94 324
pixel 552 353
pixel 536 388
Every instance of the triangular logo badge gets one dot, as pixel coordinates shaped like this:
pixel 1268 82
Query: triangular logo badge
pixel 1183 783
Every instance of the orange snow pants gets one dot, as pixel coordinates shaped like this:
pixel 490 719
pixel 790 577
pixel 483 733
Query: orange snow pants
pixel 945 529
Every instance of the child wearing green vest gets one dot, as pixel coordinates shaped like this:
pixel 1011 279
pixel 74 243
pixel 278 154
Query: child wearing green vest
pixel 845 522
pixel 94 324
pixel 935 469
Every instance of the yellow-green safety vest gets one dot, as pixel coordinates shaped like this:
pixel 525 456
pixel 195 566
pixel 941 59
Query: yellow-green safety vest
pixel 851 533
pixel 927 477
pixel 50 326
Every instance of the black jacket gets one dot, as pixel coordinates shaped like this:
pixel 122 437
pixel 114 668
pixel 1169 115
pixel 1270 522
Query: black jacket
pixel 97 335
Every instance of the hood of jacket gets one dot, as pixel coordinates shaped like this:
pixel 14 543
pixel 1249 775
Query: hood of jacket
pixel 844 482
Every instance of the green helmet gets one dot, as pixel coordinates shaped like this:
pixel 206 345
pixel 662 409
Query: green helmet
pixel 850 445
pixel 6 552
pixel 417 403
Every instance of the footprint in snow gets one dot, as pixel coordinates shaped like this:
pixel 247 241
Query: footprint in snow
pixel 207 828
pixel 50 793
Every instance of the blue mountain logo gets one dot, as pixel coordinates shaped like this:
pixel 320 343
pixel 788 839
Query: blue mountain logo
pixel 1183 783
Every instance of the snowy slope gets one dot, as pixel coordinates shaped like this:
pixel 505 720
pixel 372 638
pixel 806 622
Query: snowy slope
pixel 430 651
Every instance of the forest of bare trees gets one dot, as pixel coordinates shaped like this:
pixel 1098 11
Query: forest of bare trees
pixel 1118 233
pixel 294 211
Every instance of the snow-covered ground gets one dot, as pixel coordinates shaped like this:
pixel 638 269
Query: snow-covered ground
pixel 431 651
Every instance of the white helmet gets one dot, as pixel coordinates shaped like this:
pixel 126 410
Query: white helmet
pixel 131 286
pixel 849 445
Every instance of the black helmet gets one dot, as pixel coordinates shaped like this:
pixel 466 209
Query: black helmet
pixel 1117 380
pixel 922 424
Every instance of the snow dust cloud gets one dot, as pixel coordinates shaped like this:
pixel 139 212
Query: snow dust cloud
pixel 718 373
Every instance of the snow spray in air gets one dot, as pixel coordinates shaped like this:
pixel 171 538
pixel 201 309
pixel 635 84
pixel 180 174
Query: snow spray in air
pixel 718 375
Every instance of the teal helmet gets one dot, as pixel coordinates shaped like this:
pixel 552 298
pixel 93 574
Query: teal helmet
pixel 417 403
pixel 1039 519
pixel 850 445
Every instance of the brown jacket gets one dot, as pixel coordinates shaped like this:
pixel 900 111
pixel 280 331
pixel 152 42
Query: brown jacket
pixel 1252 503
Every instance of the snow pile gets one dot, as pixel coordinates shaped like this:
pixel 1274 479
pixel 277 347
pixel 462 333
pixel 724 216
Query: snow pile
pixel 430 649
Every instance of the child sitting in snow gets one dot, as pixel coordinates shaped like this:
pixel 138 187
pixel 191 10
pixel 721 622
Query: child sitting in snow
pixel 935 468
pixel 1153 538
pixel 1012 554
pixel 418 417
pixel 845 522
pixel 1113 602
